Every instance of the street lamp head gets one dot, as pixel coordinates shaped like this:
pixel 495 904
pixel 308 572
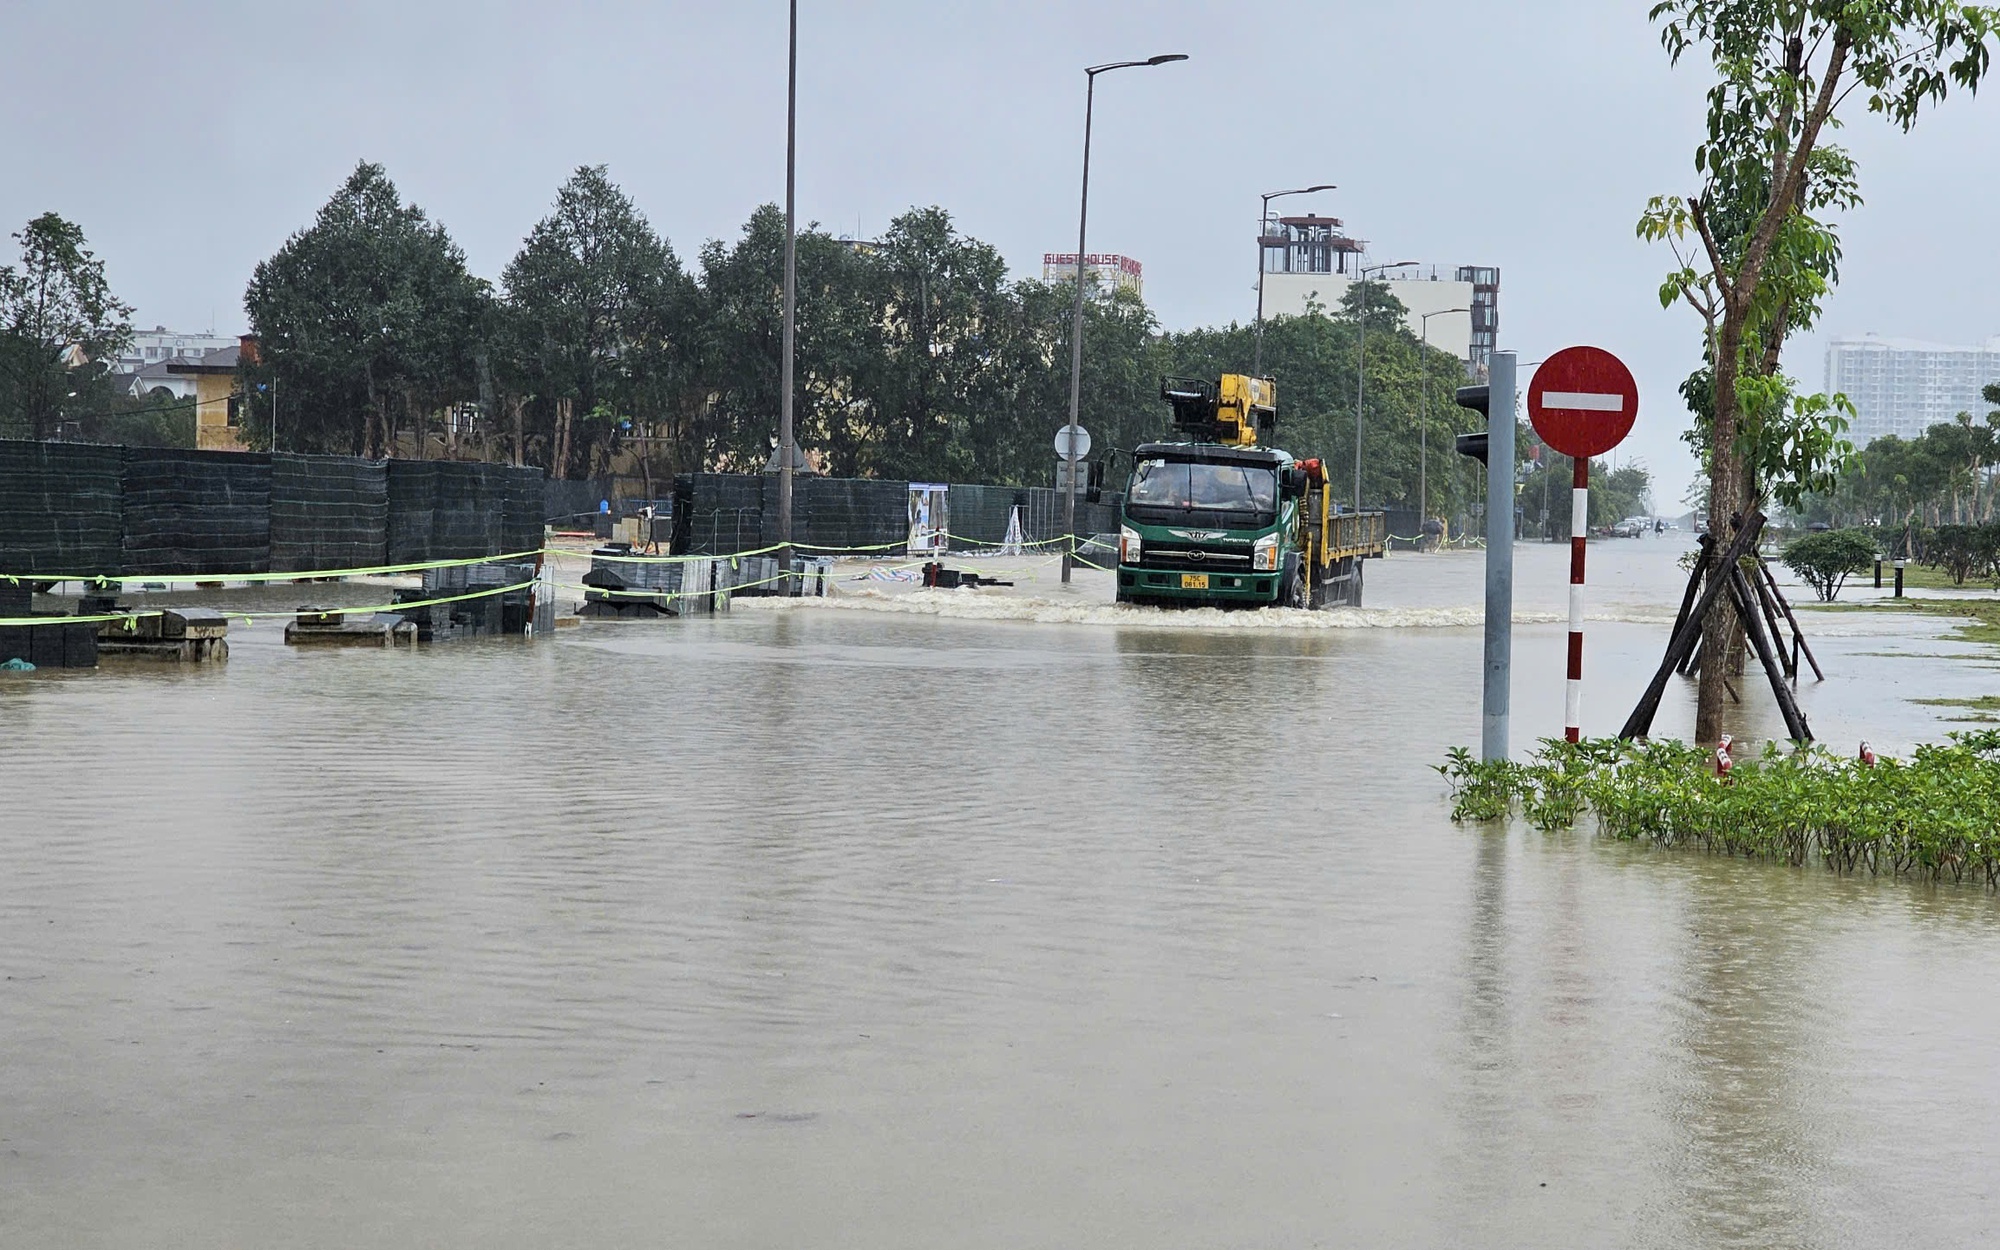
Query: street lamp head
pixel 1272 195
pixel 1092 71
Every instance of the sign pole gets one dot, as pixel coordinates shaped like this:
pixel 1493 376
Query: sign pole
pixel 1494 713
pixel 1579 529
pixel 1583 403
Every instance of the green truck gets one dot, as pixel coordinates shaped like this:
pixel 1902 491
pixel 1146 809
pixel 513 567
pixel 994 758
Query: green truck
pixel 1215 520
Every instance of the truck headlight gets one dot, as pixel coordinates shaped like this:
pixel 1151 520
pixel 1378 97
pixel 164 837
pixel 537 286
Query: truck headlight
pixel 1128 545
pixel 1264 554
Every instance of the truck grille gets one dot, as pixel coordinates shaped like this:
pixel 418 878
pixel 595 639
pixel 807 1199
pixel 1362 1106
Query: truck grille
pixel 1195 557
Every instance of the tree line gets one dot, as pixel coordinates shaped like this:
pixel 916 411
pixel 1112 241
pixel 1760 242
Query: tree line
pixel 1943 476
pixel 598 351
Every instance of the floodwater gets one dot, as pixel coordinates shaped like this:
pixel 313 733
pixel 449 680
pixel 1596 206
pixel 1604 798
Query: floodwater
pixel 981 919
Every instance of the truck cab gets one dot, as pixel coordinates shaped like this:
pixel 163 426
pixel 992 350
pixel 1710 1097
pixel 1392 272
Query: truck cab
pixel 1217 520
pixel 1206 523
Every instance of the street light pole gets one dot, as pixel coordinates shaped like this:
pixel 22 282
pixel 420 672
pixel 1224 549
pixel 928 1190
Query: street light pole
pixel 1263 216
pixel 1090 74
pixel 791 298
pixel 1424 421
pixel 1361 361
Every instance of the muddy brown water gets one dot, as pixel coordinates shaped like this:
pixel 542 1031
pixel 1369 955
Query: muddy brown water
pixel 863 927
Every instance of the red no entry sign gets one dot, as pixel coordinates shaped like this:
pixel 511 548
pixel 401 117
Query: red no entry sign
pixel 1583 401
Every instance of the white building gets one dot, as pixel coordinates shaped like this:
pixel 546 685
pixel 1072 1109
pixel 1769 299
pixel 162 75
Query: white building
pixel 1309 260
pixel 1104 271
pixel 1903 387
pixel 159 345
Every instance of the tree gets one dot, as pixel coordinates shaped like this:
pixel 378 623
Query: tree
pixel 1614 494
pixel 941 303
pixel 599 322
pixel 1784 68
pixel 1826 560
pixel 367 318
pixel 156 419
pixel 1313 358
pixel 60 329
pixel 1964 551
pixel 742 303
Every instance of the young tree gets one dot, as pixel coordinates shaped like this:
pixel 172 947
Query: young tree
pixel 60 329
pixel 1825 561
pixel 366 318
pixel 1784 70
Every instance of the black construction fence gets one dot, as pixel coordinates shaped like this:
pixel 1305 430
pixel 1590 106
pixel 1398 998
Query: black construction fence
pixel 82 510
pixel 327 512
pixel 719 513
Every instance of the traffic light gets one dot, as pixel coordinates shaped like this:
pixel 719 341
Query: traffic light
pixel 1474 445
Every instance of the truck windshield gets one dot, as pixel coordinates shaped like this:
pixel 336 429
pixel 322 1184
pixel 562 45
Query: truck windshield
pixel 1208 487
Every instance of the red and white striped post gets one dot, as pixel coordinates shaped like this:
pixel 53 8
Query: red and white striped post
pixel 1579 529
pixel 1583 403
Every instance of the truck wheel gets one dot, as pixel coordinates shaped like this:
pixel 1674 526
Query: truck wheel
pixel 1294 593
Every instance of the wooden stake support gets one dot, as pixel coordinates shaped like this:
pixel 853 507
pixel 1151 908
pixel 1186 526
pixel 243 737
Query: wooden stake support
pixel 1753 602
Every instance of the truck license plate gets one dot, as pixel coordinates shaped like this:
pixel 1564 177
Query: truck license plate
pixel 1194 581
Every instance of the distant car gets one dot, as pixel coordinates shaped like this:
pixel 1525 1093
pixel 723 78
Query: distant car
pixel 1819 527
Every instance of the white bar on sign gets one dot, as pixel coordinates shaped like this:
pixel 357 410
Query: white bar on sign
pixel 1583 401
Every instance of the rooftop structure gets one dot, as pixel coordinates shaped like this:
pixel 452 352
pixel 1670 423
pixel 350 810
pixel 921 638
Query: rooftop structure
pixel 1312 260
pixel 159 345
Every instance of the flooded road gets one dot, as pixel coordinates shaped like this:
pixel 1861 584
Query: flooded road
pixel 910 925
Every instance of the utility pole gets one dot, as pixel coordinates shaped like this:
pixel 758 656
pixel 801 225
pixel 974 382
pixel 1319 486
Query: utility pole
pixel 1090 74
pixel 1499 652
pixel 785 451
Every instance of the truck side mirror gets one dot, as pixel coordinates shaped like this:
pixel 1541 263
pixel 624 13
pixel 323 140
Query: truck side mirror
pixel 1093 489
pixel 1292 480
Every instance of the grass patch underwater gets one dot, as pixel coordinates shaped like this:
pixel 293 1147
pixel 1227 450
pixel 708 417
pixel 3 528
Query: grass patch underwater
pixel 1934 816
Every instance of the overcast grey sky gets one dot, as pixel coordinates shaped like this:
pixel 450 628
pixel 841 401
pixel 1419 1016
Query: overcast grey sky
pixel 190 138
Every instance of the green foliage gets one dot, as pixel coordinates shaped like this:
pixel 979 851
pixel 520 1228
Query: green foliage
pixel 1965 551
pixel 156 420
pixel 916 356
pixel 1406 402
pixel 1753 253
pixel 60 329
pixel 1826 560
pixel 1545 490
pixel 1934 816
pixel 1944 475
pixel 368 319
pixel 598 325
pixel 1480 789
